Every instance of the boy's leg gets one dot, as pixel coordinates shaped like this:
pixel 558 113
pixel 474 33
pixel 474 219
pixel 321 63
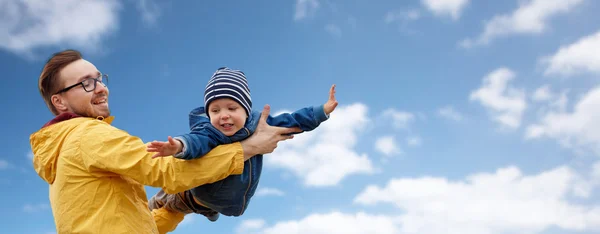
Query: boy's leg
pixel 183 202
pixel 172 202
pixel 199 208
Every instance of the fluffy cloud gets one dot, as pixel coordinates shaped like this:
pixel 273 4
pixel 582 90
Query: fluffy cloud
pixel 542 93
pixel 579 57
pixel 27 25
pixel 579 129
pixel 450 113
pixel 506 103
pixel 400 119
pixel 250 225
pixel 452 8
pixel 502 202
pixel 304 8
pixel 325 156
pixel 335 223
pixel 387 145
pixel 269 192
pixel 505 201
pixel 531 17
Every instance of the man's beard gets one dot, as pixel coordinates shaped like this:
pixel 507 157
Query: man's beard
pixel 89 112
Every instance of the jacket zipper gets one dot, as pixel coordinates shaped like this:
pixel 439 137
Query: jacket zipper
pixel 250 179
pixel 249 184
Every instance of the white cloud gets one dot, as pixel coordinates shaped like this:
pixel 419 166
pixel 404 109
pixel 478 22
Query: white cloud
pixel 579 129
pixel 304 8
pixel 414 141
pixel 531 17
pixel 32 208
pixel 387 145
pixel 333 30
pixel 450 113
pixel 3 164
pixel 269 192
pixel 542 93
pixel 250 225
pixel 452 8
pixel 579 57
pixel 335 223
pixel 506 103
pixel 326 155
pixel 400 119
pixel 30 155
pixel 149 11
pixel 28 25
pixel 485 203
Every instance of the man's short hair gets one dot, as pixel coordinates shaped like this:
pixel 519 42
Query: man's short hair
pixel 49 82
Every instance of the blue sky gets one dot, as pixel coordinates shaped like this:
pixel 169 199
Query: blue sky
pixel 455 116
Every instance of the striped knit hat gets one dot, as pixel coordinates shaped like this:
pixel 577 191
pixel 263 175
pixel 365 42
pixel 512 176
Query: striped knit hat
pixel 228 83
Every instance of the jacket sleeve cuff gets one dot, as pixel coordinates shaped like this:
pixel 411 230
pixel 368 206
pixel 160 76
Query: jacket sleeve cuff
pixel 319 112
pixel 238 160
pixel 183 149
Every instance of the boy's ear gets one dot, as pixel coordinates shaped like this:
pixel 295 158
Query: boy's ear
pixel 59 103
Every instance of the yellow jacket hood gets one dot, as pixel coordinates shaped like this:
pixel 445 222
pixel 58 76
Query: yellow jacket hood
pixel 46 144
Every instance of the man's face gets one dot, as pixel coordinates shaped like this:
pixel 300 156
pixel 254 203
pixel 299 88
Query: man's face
pixel 77 100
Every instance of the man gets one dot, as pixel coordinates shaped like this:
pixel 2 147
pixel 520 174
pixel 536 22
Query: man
pixel 97 172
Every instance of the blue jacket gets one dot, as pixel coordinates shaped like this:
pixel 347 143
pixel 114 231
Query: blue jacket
pixel 232 195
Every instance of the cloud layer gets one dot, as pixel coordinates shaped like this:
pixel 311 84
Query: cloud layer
pixel 325 156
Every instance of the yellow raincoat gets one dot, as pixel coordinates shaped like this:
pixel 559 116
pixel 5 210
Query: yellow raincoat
pixel 97 174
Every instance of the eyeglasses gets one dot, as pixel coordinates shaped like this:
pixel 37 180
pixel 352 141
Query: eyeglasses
pixel 89 84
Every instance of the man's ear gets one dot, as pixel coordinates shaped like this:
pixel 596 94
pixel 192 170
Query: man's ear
pixel 59 103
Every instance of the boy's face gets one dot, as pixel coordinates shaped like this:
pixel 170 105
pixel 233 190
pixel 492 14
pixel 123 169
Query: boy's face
pixel 227 115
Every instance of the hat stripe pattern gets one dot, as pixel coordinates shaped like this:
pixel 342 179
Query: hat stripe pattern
pixel 228 83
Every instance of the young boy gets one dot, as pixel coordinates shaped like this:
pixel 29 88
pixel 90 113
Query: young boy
pixel 228 117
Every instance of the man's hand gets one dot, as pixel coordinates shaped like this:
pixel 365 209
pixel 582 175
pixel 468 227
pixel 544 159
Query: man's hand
pixel 165 148
pixel 265 138
pixel 331 103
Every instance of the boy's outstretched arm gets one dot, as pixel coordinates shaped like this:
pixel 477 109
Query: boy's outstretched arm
pixel 165 148
pixel 307 118
pixel 202 139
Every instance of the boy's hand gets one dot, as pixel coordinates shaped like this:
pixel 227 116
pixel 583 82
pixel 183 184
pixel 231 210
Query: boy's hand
pixel 331 103
pixel 165 148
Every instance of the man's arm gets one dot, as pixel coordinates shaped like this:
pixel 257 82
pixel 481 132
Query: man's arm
pixel 106 148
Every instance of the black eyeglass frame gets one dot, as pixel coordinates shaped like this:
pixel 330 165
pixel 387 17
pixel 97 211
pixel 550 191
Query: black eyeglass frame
pixel 100 79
